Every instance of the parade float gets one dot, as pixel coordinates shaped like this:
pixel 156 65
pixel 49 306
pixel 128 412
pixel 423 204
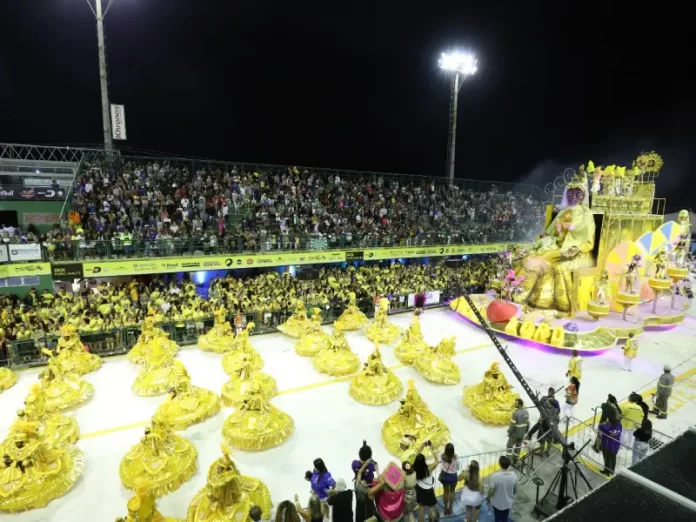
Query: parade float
pixel 605 266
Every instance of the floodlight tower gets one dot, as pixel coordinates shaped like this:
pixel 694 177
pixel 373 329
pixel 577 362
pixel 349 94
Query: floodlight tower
pixel 459 66
pixel 99 14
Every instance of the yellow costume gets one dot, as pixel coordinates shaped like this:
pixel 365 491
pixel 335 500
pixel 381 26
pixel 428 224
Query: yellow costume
pixel 315 339
pixel 8 378
pixel 381 330
pixel 338 359
pixel 71 356
pixel 142 508
pixel 33 472
pixel 375 384
pixel 241 345
pixel 575 367
pixel 158 375
pixel 228 495
pixel 566 245
pixel 436 363
pixel 56 429
pixel 161 462
pixel 351 318
pixel 220 337
pixel 491 401
pixel 62 391
pixel 412 344
pixel 257 424
pixel 150 337
pixel 244 377
pixel 415 421
pixel 298 323
pixel 187 404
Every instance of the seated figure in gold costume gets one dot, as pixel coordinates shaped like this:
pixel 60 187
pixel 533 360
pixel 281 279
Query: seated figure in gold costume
pixel 161 462
pixel 187 404
pixel 158 375
pixel 412 344
pixel 315 339
pixel 243 377
pixel 8 378
pixel 220 337
pixel 142 508
pixel 338 359
pixel 228 495
pixel 32 471
pixel 242 345
pixel 257 424
pixel 62 391
pixel 414 421
pixel 381 330
pixel 298 323
pixel 56 429
pixel 351 318
pixel 566 245
pixel 436 363
pixel 491 401
pixel 375 384
pixel 150 337
pixel 71 356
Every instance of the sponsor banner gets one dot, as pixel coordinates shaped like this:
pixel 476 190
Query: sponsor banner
pixel 28 252
pixel 67 271
pixel 25 269
pixel 4 254
pixel 118 121
pixel 430 298
pixel 444 250
pixel 355 256
pixel 17 192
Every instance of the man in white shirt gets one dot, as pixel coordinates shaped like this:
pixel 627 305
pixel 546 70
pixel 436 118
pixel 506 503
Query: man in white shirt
pixel 503 486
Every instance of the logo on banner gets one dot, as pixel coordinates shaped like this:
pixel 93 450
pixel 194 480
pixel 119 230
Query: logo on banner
pixel 73 270
pixel 118 122
pixel 355 256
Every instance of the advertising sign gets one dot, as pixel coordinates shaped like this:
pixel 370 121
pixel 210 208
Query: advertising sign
pixel 25 269
pixel 67 271
pixel 118 121
pixel 4 254
pixel 28 252
pixel 19 192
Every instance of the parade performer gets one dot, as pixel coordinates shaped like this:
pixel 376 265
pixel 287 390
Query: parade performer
pixel 664 391
pixel 161 462
pixel 630 350
pixel 8 378
pixel 220 337
pixel 33 472
pixel 338 359
pixel 186 404
pixel 142 508
pixel 71 356
pixel 58 430
pixel 414 421
pixel 151 336
pixel 352 317
pixel 436 363
pixel 62 391
pixel 242 345
pixel 381 330
pixel 491 401
pixel 375 384
pixel 412 344
pixel 257 424
pixel 631 277
pixel 298 323
pixel 575 366
pixel 158 375
pixel 315 339
pixel 242 378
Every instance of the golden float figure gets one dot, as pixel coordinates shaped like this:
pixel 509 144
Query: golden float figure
pixel 150 337
pixel 298 323
pixel 228 495
pixel 414 421
pixel 8 378
pixel 315 339
pixel 71 356
pixel 142 508
pixel 243 377
pixel 220 337
pixel 491 401
pixel 56 429
pixel 158 375
pixel 375 384
pixel 161 462
pixel 351 318
pixel 257 424
pixel 412 344
pixel 381 330
pixel 436 363
pixel 33 472
pixel 187 404
pixel 338 359
pixel 242 346
pixel 62 391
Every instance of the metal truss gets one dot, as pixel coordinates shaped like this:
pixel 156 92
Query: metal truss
pixel 44 153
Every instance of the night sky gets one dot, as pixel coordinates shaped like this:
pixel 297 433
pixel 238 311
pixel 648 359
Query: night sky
pixel 356 84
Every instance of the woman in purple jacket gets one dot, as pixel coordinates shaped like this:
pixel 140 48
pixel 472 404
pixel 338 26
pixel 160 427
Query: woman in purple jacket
pixel 610 434
pixel 321 482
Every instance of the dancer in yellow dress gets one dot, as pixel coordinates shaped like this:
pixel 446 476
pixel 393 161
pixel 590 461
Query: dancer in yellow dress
pixel 412 344
pixel 71 356
pixel 142 508
pixel 159 374
pixel 58 430
pixel 338 359
pixel 244 376
pixel 491 401
pixel 351 318
pixel 62 391
pixel 220 337
pixel 257 424
pixel 315 340
pixel 187 404
pixel 161 462
pixel 436 363
pixel 8 378
pixel 242 345
pixel 151 336
pixel 375 384
pixel 298 324
pixel 414 421
pixel 228 495
pixel 381 330
pixel 33 472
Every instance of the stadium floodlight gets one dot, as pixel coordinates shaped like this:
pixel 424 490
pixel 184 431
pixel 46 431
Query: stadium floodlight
pixel 460 66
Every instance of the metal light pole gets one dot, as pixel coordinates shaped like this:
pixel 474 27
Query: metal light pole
pixel 460 66
pixel 103 81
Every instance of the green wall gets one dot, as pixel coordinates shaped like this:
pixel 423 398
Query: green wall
pixel 50 210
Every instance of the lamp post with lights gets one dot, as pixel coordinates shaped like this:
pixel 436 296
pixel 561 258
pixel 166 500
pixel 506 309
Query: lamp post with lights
pixel 99 14
pixel 459 66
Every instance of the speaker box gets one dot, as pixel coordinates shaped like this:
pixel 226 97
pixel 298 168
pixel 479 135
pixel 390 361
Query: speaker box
pixel 308 274
pixel 453 263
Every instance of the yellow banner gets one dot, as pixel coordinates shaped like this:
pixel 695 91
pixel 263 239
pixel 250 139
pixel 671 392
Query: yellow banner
pixel 24 269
